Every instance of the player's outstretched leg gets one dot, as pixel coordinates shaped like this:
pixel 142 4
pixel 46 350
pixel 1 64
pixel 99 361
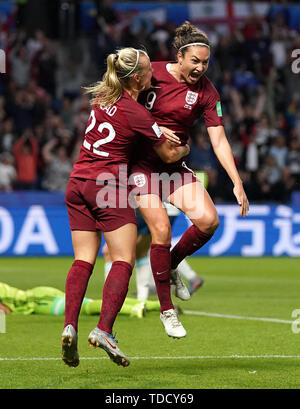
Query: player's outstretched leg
pixel 69 338
pixel 108 342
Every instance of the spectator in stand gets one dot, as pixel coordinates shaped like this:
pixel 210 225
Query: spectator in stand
pixel 289 183
pixel 271 170
pixel 26 151
pixel 45 66
pixel 58 166
pixel 279 150
pixel 23 109
pixel 293 157
pixel 20 66
pixel 7 135
pixel 67 112
pixel 264 134
pixel 202 156
pixel 261 190
pixel 251 155
pixel 7 172
pixel 71 78
pixel 35 44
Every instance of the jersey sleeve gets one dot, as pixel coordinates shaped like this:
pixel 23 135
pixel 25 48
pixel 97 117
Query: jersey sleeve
pixel 143 123
pixel 212 109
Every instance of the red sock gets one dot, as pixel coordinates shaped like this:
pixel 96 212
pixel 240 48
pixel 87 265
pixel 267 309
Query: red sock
pixel 161 266
pixel 76 285
pixel 114 293
pixel 192 240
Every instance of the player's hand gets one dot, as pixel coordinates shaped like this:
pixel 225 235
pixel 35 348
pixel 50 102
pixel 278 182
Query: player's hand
pixel 242 199
pixel 4 308
pixel 170 135
pixel 187 149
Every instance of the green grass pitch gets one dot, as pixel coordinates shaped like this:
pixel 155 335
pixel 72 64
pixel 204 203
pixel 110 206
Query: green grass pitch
pixel 228 351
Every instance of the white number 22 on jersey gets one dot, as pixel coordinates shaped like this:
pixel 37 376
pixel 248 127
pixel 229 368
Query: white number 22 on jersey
pixel 110 137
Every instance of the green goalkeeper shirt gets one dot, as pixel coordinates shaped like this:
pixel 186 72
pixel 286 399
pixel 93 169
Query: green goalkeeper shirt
pixel 27 302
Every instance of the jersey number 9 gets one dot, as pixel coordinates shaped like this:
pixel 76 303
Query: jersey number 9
pixel 151 97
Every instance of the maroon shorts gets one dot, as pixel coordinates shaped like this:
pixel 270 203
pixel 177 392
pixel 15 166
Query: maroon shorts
pixel 144 181
pixel 92 207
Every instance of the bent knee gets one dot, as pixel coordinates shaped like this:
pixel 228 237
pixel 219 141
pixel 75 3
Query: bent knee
pixel 215 222
pixel 210 224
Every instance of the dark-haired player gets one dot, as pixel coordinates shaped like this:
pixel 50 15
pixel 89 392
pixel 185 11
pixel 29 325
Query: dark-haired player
pixel 180 94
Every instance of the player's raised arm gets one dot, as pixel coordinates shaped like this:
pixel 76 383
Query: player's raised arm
pixel 223 152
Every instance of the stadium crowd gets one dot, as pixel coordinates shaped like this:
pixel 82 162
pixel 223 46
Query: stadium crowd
pixel 44 110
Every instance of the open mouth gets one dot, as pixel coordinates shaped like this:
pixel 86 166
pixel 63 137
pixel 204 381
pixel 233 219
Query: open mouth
pixel 195 75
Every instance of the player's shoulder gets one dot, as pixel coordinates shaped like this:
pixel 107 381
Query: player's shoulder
pixel 159 67
pixel 132 109
pixel 204 83
pixel 207 88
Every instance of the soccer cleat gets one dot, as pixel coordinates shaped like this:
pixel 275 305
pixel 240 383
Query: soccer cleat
pixel 70 354
pixel 173 326
pixel 138 310
pixel 108 342
pixel 180 288
pixel 194 284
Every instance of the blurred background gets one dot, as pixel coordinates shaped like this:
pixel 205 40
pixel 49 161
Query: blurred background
pixel 54 47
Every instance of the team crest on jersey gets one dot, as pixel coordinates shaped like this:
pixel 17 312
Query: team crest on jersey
pixel 191 97
pixel 139 180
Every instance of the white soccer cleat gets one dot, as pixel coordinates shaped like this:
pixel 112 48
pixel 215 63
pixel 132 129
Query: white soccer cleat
pixel 173 326
pixel 70 354
pixel 181 291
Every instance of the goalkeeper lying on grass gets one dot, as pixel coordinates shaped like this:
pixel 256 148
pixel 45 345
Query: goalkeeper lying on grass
pixel 50 301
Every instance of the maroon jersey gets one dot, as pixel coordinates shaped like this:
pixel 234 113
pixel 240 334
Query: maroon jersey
pixel 111 135
pixel 176 105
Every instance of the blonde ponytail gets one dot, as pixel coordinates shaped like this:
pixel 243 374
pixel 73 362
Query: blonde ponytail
pixel 120 68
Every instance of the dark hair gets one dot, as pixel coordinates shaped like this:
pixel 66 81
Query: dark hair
pixel 187 33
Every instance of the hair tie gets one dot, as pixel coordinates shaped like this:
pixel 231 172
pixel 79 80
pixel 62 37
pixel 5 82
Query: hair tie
pixel 190 44
pixel 136 63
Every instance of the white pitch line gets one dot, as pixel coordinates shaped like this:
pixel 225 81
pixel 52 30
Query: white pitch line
pixel 237 317
pixel 168 357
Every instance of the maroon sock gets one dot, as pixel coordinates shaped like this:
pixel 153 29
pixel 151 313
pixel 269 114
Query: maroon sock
pixel 192 240
pixel 76 285
pixel 114 293
pixel 161 266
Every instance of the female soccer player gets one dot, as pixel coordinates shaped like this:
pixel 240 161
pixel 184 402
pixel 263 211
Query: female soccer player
pixel 97 195
pixel 179 95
